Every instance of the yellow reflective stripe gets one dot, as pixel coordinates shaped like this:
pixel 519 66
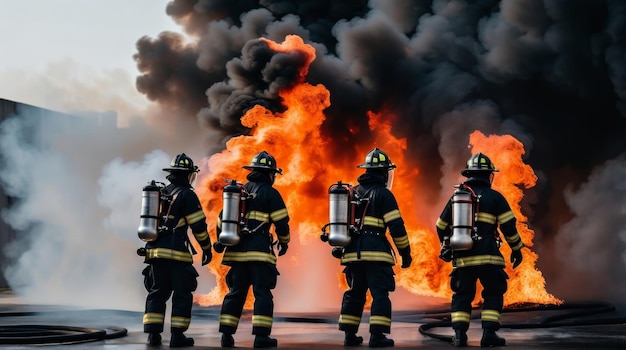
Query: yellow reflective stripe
pixel 284 239
pixel 401 242
pixel 392 215
pixel 180 322
pixel 195 217
pixel 486 218
pixel 380 320
pixel 506 217
pixel 262 321
pixel 373 221
pixel 152 318
pixel 257 215
pixel 518 246
pixel 201 236
pixel 229 320
pixel 368 256
pixel 490 315
pixel 478 260
pixel 512 238
pixel 460 316
pixel 441 224
pixel 249 256
pixel 181 222
pixel 279 214
pixel 349 319
pixel 164 253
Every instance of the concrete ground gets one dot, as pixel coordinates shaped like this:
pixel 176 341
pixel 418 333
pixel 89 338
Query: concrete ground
pixel 579 326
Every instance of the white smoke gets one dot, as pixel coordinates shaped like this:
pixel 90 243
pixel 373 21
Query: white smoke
pixel 75 208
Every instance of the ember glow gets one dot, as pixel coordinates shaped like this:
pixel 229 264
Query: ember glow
pixel 309 162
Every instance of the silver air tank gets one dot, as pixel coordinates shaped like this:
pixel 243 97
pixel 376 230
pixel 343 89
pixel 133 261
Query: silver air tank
pixel 231 211
pixel 149 218
pixel 339 213
pixel 462 220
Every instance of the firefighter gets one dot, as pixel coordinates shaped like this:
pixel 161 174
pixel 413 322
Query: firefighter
pixel 482 261
pixel 252 260
pixel 369 257
pixel 170 271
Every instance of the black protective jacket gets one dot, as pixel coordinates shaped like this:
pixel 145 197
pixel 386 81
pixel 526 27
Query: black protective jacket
pixel 494 213
pixel 265 209
pixel 186 212
pixel 370 243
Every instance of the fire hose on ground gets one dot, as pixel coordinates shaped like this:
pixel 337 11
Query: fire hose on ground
pixel 53 334
pixel 568 319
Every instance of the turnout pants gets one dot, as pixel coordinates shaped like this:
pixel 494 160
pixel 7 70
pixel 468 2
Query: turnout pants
pixel 379 279
pixel 162 279
pixel 493 279
pixel 262 277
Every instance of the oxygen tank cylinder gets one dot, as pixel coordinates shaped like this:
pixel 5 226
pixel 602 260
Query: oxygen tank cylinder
pixel 462 220
pixel 231 210
pixel 339 211
pixel 149 218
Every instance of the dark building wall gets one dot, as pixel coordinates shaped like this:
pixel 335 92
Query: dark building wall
pixel 7 108
pixel 45 118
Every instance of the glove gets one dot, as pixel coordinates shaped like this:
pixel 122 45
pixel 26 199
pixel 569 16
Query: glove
pixel 406 260
pixel 206 256
pixel 337 252
pixel 445 254
pixel 282 248
pixel 516 257
pixel 219 247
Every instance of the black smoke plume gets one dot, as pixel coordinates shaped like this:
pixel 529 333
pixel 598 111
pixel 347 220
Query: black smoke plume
pixel 552 73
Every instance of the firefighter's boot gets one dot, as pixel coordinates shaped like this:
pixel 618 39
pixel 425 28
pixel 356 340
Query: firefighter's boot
pixel 352 339
pixel 154 339
pixel 460 338
pixel 490 338
pixel 227 340
pixel 264 341
pixel 379 340
pixel 179 340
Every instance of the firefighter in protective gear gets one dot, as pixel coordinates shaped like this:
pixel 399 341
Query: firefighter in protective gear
pixel 369 257
pixel 252 261
pixel 483 262
pixel 170 271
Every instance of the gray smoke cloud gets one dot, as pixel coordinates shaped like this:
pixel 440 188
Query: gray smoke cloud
pixel 548 72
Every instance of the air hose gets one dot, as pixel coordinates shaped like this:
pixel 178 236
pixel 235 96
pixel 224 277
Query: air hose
pixel 566 319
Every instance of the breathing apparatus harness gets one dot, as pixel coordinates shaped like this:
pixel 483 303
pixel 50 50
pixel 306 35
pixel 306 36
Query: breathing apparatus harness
pixel 465 205
pixel 347 208
pixel 155 214
pixel 234 213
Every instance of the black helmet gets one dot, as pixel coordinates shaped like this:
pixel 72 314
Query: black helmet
pixel 478 163
pixel 377 159
pixel 263 161
pixel 182 163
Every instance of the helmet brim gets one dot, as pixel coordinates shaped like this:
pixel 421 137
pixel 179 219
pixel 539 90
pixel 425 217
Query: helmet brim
pixel 250 167
pixel 369 166
pixel 183 170
pixel 470 173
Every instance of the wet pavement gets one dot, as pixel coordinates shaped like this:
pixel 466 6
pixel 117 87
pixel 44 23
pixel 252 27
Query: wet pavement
pixel 594 325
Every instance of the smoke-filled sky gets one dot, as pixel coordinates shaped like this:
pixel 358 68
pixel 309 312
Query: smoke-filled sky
pixel 552 73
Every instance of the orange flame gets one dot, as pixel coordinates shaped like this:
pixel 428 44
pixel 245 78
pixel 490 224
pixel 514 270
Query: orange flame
pixel 293 137
pixel 527 283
